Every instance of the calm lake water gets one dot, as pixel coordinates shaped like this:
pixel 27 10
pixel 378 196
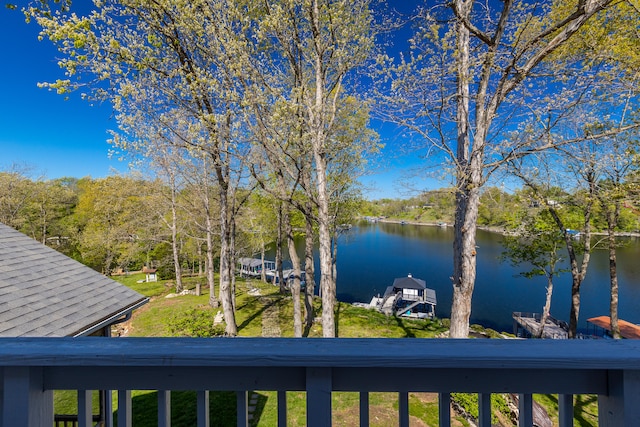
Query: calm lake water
pixel 370 256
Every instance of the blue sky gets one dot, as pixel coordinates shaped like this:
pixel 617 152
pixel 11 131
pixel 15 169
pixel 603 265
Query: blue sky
pixel 58 137
pixel 39 128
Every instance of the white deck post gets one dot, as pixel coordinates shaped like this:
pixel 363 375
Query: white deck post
pixel 484 409
pixel 620 407
pixel 164 408
pixel 85 409
pixel 318 397
pixel 565 410
pixel 24 403
pixel 124 408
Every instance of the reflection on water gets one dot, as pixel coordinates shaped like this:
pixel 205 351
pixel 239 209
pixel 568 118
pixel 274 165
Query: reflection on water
pixel 370 256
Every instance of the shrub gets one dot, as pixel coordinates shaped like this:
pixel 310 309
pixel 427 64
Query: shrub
pixel 194 323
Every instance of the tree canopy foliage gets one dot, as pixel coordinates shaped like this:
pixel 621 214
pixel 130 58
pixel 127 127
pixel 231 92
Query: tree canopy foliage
pixel 231 97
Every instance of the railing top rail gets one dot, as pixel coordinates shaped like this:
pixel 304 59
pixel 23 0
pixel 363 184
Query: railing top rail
pixel 321 352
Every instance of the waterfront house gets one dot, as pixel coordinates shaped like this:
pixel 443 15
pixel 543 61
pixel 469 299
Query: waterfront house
pixel 253 267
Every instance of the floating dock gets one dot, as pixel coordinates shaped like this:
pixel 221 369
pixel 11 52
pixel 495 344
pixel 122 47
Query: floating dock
pixel 526 325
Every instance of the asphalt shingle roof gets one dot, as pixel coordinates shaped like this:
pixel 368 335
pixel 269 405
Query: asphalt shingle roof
pixel 47 294
pixel 409 283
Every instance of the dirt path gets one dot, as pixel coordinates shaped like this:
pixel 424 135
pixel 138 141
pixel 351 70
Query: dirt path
pixel 270 319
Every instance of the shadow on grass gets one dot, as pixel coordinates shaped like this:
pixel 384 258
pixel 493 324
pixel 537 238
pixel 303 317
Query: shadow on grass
pixel 259 407
pixel 257 313
pixel 408 333
pixel 582 402
pixel 337 318
pixel 144 409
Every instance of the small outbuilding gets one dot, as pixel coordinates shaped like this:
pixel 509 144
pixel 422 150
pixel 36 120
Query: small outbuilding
pixel 151 274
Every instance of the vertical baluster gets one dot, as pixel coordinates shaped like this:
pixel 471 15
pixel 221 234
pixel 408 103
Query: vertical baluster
pixel 85 410
pixel 620 406
pixel 484 409
pixel 318 397
pixel 23 400
pixel 282 408
pixel 364 409
pixel 565 410
pixel 164 408
pixel 203 408
pixel 242 409
pixel 444 409
pixel 108 408
pixel 124 408
pixel 525 410
pixel 403 409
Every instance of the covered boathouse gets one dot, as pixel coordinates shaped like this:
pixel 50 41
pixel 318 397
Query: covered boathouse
pixel 409 297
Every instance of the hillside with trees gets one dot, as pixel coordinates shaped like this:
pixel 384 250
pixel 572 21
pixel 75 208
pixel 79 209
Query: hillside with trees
pixel 256 122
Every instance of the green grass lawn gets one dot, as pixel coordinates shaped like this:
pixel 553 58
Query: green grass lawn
pixel 180 316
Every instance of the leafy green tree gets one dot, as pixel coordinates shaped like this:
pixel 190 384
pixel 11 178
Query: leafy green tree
pixel 616 162
pixel 112 213
pixel 483 67
pixel 165 64
pixel 313 47
pixel 16 192
pixel 537 244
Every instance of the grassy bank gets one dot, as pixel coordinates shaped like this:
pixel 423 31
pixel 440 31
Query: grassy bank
pixel 257 303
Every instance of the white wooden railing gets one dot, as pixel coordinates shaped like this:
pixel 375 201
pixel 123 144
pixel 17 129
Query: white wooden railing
pixel 30 368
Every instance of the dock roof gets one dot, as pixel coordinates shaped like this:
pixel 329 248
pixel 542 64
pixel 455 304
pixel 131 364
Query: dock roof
pixel 409 282
pixel 44 293
pixel 627 329
pixel 253 262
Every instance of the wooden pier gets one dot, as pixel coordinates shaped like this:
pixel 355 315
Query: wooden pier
pixel 527 324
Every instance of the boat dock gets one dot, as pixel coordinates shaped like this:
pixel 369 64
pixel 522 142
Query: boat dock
pixel 407 297
pixel 527 324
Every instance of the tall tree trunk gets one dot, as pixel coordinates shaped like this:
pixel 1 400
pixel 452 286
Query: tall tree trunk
pixel 278 276
pixel 263 273
pixel 318 122
pixel 467 198
pixel 309 272
pixel 578 272
pixel 226 247
pixel 613 276
pixel 547 306
pixel 232 261
pixel 295 286
pixel 334 260
pixel 211 280
pixel 174 239
pixel 326 265
pixel 612 222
